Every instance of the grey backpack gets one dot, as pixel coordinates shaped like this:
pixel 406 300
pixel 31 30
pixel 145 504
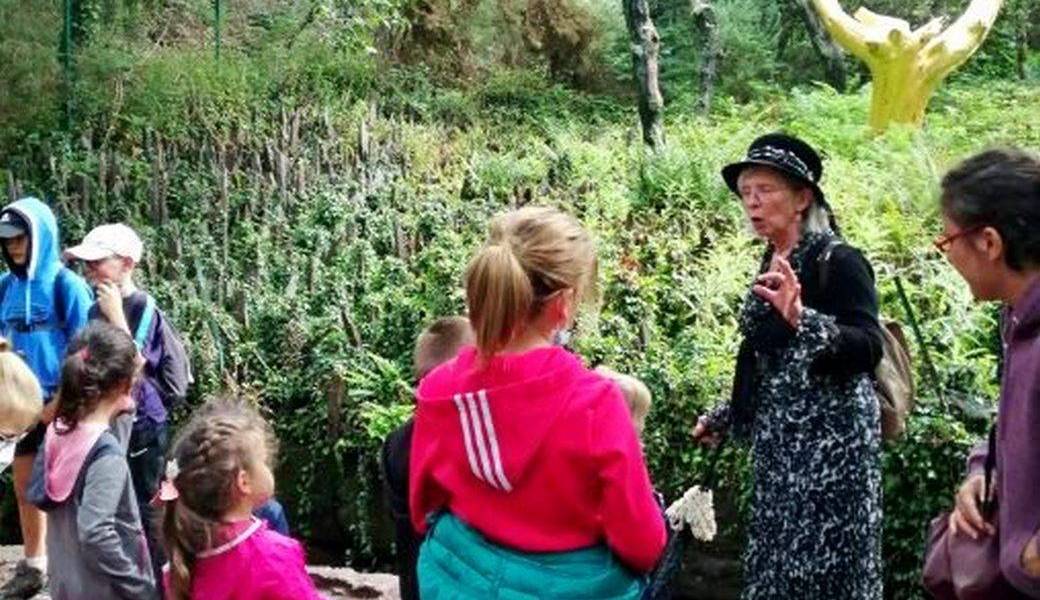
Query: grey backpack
pixel 893 377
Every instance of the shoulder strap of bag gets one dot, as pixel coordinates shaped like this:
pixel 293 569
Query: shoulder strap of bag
pixel 60 302
pixel 824 258
pixel 988 505
pixel 145 324
pixel 5 282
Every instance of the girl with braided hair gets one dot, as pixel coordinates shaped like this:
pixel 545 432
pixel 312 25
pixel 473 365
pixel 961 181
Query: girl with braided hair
pixel 95 542
pixel 219 473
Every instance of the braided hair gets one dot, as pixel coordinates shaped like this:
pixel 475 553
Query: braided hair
pixel 219 441
pixel 100 360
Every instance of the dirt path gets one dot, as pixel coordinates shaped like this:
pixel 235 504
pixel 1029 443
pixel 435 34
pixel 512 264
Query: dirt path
pixel 334 582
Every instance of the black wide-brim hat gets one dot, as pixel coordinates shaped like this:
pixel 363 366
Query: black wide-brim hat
pixel 785 153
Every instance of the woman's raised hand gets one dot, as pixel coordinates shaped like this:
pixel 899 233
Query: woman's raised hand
pixel 780 287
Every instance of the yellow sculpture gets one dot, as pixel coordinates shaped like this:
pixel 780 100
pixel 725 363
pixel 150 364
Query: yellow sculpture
pixel 907 65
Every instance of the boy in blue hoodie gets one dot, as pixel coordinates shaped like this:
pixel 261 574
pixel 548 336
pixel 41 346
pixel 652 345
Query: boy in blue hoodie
pixel 42 306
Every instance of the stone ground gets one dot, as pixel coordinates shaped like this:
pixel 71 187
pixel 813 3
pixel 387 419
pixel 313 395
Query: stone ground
pixel 335 583
pixel 706 576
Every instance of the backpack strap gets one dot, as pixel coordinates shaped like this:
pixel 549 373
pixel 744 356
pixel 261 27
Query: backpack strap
pixel 823 260
pixel 60 302
pixel 5 282
pixel 106 445
pixel 145 324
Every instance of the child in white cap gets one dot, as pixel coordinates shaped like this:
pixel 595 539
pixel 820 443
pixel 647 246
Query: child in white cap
pixel 111 253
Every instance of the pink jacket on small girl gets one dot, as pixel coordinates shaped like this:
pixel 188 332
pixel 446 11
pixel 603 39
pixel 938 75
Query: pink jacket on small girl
pixel 537 453
pixel 251 562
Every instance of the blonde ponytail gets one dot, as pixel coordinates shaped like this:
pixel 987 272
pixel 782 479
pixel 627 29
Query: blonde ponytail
pixel 21 399
pixel 499 296
pixel 531 253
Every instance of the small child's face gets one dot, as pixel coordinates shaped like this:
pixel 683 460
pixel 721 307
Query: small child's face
pixel 18 249
pixel 108 270
pixel 261 479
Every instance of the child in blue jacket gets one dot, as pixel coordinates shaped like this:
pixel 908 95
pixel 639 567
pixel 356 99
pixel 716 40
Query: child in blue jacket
pixel 42 306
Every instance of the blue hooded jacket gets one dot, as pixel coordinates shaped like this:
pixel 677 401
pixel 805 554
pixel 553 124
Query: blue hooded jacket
pixel 34 293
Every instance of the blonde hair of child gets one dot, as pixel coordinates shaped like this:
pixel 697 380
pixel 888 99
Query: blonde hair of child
pixel 531 253
pixel 637 395
pixel 221 439
pixel 440 342
pixel 21 399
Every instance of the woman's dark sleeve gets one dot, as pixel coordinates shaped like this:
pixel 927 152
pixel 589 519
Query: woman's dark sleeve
pixel 850 297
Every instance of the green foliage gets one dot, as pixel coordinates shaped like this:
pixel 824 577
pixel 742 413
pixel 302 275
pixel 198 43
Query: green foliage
pixel 308 208
pixel 921 475
pixel 324 287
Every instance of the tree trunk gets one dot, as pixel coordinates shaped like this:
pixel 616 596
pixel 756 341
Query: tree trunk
pixel 833 57
pixel 646 47
pixel 1021 49
pixel 707 25
pixel 783 37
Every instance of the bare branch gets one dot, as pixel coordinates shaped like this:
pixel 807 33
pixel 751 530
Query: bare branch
pixel 851 34
pixel 952 47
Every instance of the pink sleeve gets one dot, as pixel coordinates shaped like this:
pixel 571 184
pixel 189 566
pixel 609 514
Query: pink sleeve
pixel 424 495
pixel 632 520
pixel 291 581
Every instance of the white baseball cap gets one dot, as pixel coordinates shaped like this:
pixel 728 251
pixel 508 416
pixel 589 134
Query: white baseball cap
pixel 114 239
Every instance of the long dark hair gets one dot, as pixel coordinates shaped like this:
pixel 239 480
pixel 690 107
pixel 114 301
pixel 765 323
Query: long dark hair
pixel 99 361
pixel 999 189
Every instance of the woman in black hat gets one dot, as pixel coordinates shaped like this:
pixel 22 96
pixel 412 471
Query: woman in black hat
pixel 802 392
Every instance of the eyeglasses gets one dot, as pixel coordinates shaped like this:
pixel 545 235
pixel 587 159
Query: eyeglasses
pixel 943 242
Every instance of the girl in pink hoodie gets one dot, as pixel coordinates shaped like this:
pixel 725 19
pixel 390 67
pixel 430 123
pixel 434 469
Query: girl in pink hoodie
pixel 520 451
pixel 218 475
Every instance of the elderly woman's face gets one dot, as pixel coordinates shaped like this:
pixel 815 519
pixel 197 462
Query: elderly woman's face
pixel 772 206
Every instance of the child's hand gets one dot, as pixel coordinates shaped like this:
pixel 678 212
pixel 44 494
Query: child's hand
pixel 110 303
pixel 1031 557
pixel 966 517
pixel 703 435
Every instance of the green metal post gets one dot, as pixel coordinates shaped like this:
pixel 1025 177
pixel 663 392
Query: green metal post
pixel 216 26
pixel 66 61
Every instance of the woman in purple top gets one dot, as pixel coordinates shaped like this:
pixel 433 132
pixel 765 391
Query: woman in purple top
pixel 991 217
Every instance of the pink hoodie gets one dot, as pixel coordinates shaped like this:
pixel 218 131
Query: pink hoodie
pixel 536 452
pixel 251 562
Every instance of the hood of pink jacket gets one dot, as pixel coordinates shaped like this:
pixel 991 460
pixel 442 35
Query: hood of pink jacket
pixel 504 422
pixel 64 453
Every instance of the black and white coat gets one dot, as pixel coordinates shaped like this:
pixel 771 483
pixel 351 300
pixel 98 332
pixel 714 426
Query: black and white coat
pixel 805 399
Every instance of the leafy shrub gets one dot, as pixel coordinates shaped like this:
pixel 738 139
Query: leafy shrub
pixel 307 212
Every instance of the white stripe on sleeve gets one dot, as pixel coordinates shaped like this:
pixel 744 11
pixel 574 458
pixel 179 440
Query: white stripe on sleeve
pixel 493 441
pixel 478 431
pixel 464 421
